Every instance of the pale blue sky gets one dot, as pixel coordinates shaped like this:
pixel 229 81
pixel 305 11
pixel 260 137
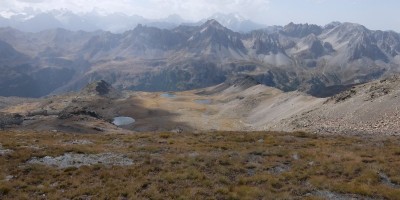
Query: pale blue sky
pixel 375 14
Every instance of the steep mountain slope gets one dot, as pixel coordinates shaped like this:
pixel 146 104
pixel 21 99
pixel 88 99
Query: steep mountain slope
pixel 317 60
pixel 20 77
pixel 29 81
pixel 369 108
pixel 9 56
pixel 255 106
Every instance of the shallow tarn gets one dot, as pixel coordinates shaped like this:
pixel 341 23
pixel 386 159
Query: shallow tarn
pixel 168 95
pixel 123 121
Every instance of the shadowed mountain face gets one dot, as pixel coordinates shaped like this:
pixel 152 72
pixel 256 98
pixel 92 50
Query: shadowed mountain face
pixel 9 56
pixel 319 60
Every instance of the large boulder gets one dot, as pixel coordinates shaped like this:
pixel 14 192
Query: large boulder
pixel 7 119
pixel 101 88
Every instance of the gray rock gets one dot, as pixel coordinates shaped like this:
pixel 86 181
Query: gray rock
pixel 338 196
pixel 279 169
pixel 7 119
pixel 386 180
pixel 4 151
pixel 78 160
pixel 79 142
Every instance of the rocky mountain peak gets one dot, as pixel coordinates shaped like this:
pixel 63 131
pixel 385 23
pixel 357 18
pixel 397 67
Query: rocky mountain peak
pixel 332 25
pixel 347 30
pixel 214 39
pixel 103 88
pixel 236 22
pixel 301 30
pixel 229 17
pixel 212 23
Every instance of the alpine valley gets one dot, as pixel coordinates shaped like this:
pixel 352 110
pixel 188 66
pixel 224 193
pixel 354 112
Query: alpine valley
pixel 318 60
pixel 223 108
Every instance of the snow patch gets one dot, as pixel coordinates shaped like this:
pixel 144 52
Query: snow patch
pixel 204 30
pixel 7 14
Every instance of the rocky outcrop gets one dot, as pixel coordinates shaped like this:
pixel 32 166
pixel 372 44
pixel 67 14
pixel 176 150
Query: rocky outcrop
pixel 301 30
pixel 101 88
pixel 7 119
pixel 370 108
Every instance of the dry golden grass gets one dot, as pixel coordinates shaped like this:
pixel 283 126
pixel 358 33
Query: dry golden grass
pixel 218 165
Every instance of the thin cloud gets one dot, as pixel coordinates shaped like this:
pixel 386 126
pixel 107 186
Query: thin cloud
pixel 191 9
pixel 31 1
pixel 374 14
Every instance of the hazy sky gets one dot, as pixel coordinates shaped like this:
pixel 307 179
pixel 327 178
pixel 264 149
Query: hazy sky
pixel 375 14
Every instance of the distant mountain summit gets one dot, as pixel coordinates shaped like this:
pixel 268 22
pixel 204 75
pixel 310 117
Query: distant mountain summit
pixel 33 21
pixel 301 30
pixel 214 40
pixel 236 22
pixel 91 21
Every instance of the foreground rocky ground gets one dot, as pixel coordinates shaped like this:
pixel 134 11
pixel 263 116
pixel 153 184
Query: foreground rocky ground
pixel 204 165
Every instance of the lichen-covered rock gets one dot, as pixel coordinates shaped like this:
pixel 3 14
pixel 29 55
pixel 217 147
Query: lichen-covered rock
pixel 78 160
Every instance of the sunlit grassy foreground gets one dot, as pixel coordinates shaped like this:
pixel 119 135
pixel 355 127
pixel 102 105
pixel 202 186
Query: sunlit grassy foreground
pixel 217 165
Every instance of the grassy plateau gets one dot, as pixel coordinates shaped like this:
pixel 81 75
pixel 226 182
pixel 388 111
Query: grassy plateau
pixel 214 165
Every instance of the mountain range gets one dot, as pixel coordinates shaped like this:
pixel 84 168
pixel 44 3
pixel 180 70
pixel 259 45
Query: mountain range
pixel 319 60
